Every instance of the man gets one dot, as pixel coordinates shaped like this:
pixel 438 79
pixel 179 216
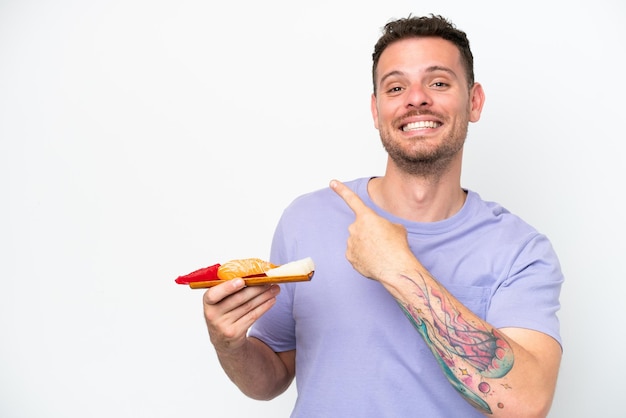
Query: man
pixel 443 305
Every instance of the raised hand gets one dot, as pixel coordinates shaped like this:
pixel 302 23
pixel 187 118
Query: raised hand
pixel 376 247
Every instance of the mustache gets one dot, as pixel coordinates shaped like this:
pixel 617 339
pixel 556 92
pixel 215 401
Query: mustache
pixel 399 121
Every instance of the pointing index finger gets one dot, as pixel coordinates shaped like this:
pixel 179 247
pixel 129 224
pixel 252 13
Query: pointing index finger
pixel 352 199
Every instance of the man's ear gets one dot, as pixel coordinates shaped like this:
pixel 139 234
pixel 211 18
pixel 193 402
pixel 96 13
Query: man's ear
pixel 374 110
pixel 477 100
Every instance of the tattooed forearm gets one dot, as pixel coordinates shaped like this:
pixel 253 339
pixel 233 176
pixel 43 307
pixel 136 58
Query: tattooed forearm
pixel 467 350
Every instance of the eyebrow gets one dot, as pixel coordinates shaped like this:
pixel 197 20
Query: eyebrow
pixel 431 69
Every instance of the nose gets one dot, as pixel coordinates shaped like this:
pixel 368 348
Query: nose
pixel 417 96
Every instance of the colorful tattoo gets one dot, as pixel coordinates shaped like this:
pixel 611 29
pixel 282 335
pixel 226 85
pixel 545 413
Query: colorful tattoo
pixel 458 344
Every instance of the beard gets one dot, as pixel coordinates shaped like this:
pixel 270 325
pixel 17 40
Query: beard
pixel 419 159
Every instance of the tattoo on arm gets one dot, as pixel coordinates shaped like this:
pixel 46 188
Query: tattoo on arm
pixel 466 350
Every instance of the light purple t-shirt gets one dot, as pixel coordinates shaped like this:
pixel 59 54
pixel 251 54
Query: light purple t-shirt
pixel 357 354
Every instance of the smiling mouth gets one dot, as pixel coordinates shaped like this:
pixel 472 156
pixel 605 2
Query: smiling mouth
pixel 414 126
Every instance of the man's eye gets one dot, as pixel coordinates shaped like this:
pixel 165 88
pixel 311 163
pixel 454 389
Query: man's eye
pixel 394 89
pixel 440 84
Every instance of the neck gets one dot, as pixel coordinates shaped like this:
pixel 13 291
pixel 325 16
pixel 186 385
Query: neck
pixel 418 198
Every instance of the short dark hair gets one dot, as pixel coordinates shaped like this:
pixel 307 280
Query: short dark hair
pixel 420 27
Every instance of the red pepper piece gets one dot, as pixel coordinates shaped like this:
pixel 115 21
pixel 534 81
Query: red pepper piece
pixel 200 275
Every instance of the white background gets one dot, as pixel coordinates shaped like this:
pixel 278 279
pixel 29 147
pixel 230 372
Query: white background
pixel 142 139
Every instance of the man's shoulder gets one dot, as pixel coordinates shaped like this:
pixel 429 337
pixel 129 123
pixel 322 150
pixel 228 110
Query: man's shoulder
pixel 494 216
pixel 325 194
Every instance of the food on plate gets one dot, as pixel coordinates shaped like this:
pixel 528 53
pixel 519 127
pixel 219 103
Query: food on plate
pixel 244 267
pixel 253 270
pixel 294 268
pixel 200 275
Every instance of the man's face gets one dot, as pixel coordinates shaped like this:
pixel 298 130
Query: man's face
pixel 423 104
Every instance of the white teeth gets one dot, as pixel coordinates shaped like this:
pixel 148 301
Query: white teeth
pixel 420 125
